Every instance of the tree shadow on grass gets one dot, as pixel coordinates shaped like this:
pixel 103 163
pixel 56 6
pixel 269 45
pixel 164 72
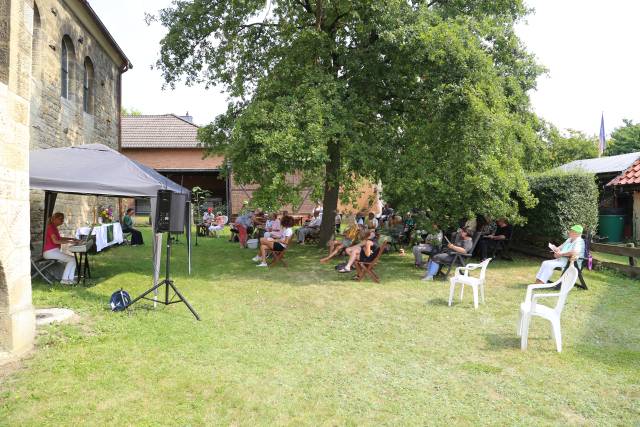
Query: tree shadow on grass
pixel 499 342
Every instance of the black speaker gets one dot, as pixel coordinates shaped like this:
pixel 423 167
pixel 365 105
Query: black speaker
pixel 163 211
pixel 178 202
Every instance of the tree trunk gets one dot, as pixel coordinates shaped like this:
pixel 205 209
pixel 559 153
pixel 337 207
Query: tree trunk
pixel 331 190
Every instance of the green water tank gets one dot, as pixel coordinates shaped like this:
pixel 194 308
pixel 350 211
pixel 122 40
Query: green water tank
pixel 611 226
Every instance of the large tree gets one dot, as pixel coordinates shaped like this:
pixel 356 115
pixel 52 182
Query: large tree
pixel 427 96
pixel 624 139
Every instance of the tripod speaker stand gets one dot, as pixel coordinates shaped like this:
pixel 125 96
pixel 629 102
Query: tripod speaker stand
pixel 167 283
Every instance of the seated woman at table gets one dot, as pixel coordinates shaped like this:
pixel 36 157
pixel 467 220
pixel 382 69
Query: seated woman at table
pixel 279 244
pixel 127 227
pixel 349 237
pixel 51 249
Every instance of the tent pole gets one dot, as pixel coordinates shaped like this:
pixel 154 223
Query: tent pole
pixel 188 225
pixel 49 205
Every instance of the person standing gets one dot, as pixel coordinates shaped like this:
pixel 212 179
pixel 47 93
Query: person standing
pixel 243 223
pixel 52 244
pixel 572 247
pixel 127 227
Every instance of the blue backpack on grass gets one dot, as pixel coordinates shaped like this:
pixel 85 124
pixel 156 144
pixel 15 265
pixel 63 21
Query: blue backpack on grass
pixel 120 300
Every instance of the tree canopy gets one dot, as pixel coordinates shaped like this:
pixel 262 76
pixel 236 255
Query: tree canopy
pixel 430 97
pixel 624 139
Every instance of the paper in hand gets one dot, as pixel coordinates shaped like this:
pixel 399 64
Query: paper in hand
pixel 553 247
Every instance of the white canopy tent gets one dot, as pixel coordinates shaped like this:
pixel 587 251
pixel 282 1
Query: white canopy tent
pixel 95 169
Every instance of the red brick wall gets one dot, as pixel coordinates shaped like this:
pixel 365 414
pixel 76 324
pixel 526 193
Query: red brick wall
pixel 174 158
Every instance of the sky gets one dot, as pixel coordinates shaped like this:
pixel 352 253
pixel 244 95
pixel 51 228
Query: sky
pixel 590 48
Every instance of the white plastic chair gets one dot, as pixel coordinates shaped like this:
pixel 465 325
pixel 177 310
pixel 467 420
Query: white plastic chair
pixel 530 306
pixel 462 277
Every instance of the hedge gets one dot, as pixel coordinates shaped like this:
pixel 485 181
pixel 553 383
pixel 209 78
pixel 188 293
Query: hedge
pixel 564 199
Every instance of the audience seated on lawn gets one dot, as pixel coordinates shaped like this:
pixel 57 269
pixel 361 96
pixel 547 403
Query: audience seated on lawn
pixel 432 243
pixel 311 228
pixel 485 225
pixel 364 251
pixel 349 237
pixel 572 247
pixel 279 244
pixel 491 241
pixel 462 244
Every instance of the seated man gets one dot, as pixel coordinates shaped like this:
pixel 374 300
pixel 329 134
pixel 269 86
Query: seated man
pixel 127 227
pixel 573 246
pixel 432 243
pixel 311 228
pixel 207 219
pixel 491 241
pixel 462 244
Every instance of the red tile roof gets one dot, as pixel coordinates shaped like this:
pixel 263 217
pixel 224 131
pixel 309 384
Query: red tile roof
pixel 158 131
pixel 631 176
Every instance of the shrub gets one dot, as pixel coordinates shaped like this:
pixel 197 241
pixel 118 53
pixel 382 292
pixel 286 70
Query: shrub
pixel 564 199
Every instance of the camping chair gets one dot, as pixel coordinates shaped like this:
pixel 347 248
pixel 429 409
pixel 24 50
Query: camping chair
pixel 39 267
pixel 277 256
pixel 461 259
pixel 367 268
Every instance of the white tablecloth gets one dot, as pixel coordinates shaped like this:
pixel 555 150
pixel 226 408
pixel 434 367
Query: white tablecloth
pixel 100 231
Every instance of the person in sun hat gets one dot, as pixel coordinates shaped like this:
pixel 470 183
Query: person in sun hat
pixel 572 247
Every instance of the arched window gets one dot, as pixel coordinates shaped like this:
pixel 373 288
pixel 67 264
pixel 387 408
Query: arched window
pixel 66 67
pixel 88 86
pixel 36 41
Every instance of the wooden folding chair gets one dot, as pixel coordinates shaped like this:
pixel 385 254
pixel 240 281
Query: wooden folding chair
pixel 276 257
pixel 367 268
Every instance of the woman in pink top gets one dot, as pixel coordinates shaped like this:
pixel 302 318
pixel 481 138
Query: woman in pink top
pixel 51 249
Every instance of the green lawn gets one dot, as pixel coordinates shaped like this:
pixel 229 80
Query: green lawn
pixel 308 346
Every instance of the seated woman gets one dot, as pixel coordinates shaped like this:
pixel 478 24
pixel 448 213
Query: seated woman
pixel 272 226
pixel 365 251
pixel 462 244
pixel 348 238
pixel 51 248
pixel 127 227
pixel 280 244
pixel 217 224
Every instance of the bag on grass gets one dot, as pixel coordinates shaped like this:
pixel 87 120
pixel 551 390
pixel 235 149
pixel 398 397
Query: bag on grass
pixel 341 266
pixel 120 300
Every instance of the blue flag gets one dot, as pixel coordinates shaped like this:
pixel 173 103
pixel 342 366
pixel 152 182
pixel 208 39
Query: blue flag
pixel 603 142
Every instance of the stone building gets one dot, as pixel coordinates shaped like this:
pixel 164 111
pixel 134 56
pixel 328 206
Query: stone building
pixel 60 74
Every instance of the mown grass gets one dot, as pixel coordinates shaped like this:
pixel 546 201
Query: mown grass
pixel 305 345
